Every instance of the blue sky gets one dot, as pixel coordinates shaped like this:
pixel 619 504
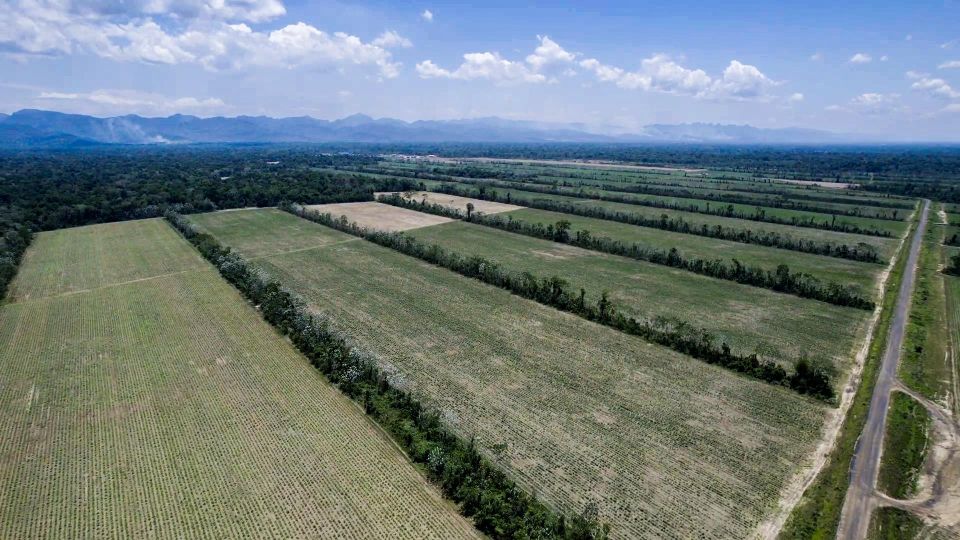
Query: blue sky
pixel 887 68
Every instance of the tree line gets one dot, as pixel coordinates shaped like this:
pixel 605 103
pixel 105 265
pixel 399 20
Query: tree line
pixel 807 378
pixel 15 237
pixel 782 280
pixel 753 187
pixel 861 252
pixel 673 189
pixel 758 214
pixel 72 188
pixel 783 202
pixel 498 507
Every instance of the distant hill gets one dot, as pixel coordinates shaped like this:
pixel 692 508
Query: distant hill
pixel 34 128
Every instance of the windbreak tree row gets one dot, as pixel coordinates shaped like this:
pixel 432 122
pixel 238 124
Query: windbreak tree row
pixel 758 214
pixel 781 280
pixel 15 236
pixel 860 252
pixel 715 180
pixel 678 335
pixel 782 200
pixel 498 507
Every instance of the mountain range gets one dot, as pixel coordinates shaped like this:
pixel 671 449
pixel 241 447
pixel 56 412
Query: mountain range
pixel 31 128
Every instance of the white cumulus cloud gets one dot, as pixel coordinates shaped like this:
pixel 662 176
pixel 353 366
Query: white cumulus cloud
pixel 861 58
pixel 935 87
pixel 660 73
pixel 210 39
pixel 950 64
pixel 548 52
pixel 390 39
pixel 492 66
pixel 483 65
pixel 876 103
pixel 427 15
pixel 130 101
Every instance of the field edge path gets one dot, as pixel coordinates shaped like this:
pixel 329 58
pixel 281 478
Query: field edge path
pixel 860 499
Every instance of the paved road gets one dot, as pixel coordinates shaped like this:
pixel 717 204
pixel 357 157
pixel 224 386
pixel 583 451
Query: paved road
pixel 859 503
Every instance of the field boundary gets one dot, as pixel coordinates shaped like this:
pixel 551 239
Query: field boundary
pixel 794 493
pixel 781 281
pixel 500 508
pixel 806 379
pixel 679 225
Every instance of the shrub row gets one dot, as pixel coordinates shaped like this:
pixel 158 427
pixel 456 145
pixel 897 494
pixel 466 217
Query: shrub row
pixel 499 508
pixel 15 236
pixel 782 280
pixel 678 335
pixel 681 192
pixel 861 252
pixel 759 214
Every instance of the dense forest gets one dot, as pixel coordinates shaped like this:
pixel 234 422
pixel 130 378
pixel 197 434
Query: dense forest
pixel 66 189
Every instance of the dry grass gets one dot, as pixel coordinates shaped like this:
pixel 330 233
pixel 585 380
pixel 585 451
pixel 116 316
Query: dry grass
pixel 382 216
pixel 460 203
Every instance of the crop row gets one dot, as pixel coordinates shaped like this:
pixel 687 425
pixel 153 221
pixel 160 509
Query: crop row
pixel 781 280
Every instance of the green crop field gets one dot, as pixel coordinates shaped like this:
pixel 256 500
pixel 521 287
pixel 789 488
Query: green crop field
pixel 142 397
pixel 894 227
pixel 843 271
pixel 749 319
pixel 885 246
pixel 108 256
pixel 705 181
pixel 576 412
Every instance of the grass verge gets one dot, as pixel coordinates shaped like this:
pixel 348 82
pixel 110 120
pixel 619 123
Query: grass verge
pixel 818 514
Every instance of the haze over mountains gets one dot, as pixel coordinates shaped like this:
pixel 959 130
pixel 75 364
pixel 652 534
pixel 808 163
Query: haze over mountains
pixel 34 128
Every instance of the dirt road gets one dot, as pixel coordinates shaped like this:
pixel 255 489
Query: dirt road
pixel 861 499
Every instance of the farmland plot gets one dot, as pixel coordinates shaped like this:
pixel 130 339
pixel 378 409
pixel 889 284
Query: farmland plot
pixel 167 408
pixel 778 326
pixel 885 246
pixel 71 260
pixel 665 445
pixel 389 217
pixel 288 235
pixel 842 271
pixel 893 227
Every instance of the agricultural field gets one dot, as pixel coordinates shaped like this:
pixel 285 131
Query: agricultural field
pixel 369 214
pixel 867 222
pixel 576 412
pixel 749 319
pixel 844 271
pixel 705 181
pixel 885 246
pixel 143 397
pixel 51 268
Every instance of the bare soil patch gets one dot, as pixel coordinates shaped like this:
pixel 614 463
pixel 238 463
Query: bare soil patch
pixel 381 216
pixel 833 185
pixel 460 203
